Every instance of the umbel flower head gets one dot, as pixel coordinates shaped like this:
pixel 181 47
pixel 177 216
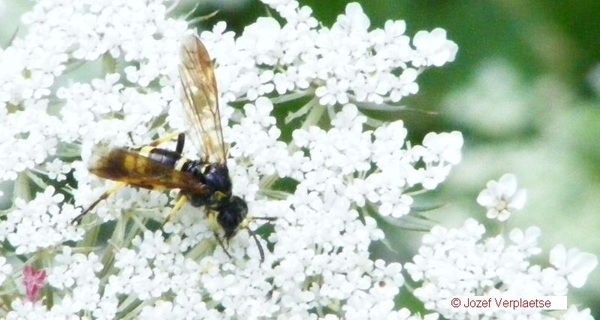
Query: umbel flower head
pixel 462 262
pixel 321 183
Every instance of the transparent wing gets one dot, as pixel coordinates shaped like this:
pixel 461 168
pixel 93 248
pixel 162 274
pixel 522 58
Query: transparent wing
pixel 200 100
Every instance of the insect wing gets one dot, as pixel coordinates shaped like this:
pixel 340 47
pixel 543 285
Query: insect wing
pixel 200 100
pixel 125 165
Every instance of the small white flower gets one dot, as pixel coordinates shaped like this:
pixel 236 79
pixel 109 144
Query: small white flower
pixel 77 273
pixel 5 270
pixel 526 241
pixel 574 264
pixel 57 170
pixel 442 148
pixel 405 85
pixel 433 49
pixel 354 21
pixel 573 314
pixel 433 175
pixel 25 309
pixel 502 198
pixel 106 309
pixel 159 309
pixel 67 307
pixel 333 92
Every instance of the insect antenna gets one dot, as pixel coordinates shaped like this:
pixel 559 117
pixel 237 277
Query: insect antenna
pixel 222 245
pixel 253 235
pixel 260 248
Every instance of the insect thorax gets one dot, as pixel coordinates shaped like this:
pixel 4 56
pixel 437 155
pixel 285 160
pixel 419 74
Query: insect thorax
pixel 228 210
pixel 215 176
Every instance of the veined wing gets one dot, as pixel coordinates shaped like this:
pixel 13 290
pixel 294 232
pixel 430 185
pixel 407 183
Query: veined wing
pixel 125 165
pixel 200 100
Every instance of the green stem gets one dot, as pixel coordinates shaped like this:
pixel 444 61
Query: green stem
pixel 22 189
pixel 315 114
pixel 91 237
pixel 116 240
pixel 292 96
pixel 202 249
pixel 109 64
pixel 136 229
pixel 128 305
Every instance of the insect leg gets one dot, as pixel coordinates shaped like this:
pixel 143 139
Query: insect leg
pixel 263 218
pixel 167 138
pixel 181 200
pixel 105 195
pixel 180 143
pixel 130 138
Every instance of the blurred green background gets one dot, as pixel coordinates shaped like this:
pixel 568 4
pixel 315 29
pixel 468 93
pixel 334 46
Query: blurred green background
pixel 524 91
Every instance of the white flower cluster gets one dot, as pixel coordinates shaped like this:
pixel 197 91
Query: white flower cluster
pixel 41 223
pixel 339 163
pixel 59 33
pixel 78 273
pixel 320 245
pixel 318 253
pixel 342 63
pixel 460 262
pixel 317 260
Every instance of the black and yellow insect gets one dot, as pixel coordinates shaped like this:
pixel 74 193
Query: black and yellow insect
pixel 203 182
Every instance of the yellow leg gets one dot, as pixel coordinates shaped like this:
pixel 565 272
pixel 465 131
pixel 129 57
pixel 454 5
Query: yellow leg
pixel 155 143
pixel 180 141
pixel 164 139
pixel 182 200
pixel 105 195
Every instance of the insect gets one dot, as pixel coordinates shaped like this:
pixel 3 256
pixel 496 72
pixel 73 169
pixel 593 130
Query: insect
pixel 203 182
